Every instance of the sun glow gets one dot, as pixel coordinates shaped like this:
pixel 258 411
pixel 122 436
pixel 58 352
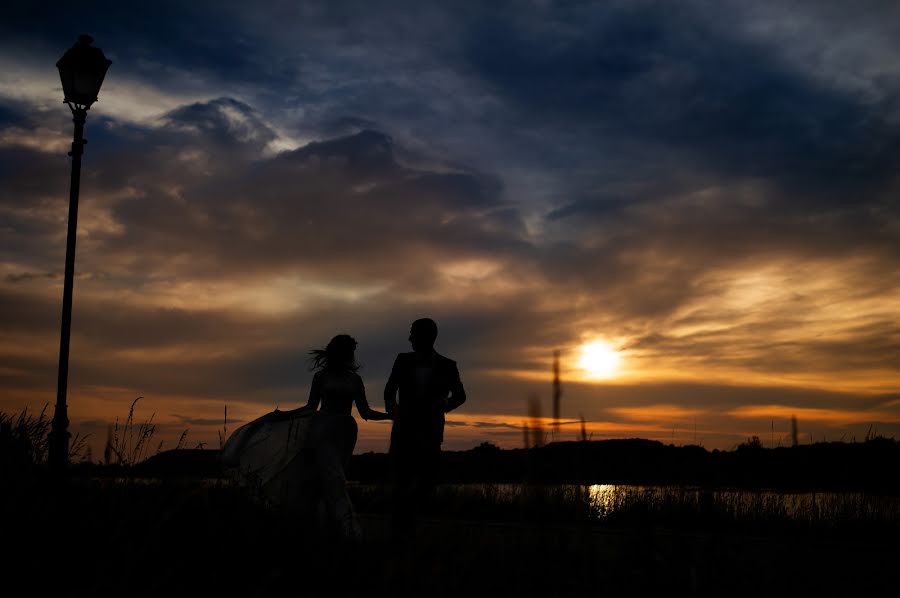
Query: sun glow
pixel 599 360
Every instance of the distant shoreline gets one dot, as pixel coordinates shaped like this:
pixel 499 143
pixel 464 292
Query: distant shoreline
pixel 870 466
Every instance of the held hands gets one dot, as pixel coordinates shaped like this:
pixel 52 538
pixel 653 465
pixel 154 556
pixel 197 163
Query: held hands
pixel 376 415
pixel 393 411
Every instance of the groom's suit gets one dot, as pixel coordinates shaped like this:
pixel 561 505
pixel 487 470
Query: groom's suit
pixel 428 388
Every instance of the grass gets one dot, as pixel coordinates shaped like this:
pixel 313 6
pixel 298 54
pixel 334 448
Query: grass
pixel 183 538
pixel 24 437
pixel 24 440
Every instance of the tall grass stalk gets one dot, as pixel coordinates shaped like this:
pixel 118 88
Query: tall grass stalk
pixel 223 433
pixel 131 446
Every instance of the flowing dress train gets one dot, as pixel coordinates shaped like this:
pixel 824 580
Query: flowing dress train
pixel 291 458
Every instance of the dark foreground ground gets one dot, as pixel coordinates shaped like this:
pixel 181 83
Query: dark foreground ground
pixel 190 538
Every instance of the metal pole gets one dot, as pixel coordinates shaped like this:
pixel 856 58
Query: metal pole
pixel 59 434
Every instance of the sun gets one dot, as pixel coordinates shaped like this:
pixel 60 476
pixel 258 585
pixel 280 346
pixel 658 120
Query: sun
pixel 599 360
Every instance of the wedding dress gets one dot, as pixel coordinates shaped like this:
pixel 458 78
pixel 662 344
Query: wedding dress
pixel 293 457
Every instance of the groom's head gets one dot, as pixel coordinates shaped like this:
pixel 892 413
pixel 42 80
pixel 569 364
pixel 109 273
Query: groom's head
pixel 422 334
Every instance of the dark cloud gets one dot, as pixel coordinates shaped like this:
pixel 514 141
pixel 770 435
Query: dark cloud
pixel 673 76
pixel 347 125
pixel 222 123
pixel 166 41
pixel 303 208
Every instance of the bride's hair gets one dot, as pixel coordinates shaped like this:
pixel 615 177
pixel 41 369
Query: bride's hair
pixel 338 355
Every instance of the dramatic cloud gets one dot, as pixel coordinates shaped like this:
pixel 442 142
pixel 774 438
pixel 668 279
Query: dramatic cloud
pixel 711 193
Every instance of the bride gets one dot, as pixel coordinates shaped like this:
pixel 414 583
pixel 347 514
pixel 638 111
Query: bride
pixel 286 453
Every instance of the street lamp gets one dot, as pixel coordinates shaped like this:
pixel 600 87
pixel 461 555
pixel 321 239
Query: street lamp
pixel 81 70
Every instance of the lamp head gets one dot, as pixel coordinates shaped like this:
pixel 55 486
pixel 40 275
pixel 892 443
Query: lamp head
pixel 81 70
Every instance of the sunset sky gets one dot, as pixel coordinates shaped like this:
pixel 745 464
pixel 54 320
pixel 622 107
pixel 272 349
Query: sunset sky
pixel 706 193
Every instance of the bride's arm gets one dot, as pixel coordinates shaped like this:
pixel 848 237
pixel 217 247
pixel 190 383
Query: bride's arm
pixel 362 405
pixel 315 393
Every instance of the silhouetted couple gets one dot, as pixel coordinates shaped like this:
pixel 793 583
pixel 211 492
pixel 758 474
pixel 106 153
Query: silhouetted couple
pixel 287 453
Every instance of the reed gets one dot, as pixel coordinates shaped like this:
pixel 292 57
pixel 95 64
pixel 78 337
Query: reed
pixel 535 425
pixel 130 446
pixel 223 433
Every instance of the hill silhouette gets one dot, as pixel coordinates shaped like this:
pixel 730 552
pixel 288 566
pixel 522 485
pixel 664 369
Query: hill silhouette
pixel 870 466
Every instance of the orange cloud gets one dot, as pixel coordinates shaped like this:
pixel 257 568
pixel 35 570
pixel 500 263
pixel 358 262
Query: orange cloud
pixel 656 413
pixel 831 416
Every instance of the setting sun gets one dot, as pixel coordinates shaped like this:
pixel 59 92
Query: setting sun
pixel 598 359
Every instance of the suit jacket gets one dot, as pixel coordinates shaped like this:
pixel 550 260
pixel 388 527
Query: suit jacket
pixel 421 419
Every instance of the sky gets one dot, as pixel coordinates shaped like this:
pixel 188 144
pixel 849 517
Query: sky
pixel 708 191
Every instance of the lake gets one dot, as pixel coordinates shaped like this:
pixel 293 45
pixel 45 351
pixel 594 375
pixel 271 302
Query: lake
pixel 610 502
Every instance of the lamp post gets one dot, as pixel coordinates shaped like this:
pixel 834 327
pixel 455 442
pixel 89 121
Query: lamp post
pixel 81 70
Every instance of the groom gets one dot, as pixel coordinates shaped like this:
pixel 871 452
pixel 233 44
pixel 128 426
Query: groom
pixel 429 387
